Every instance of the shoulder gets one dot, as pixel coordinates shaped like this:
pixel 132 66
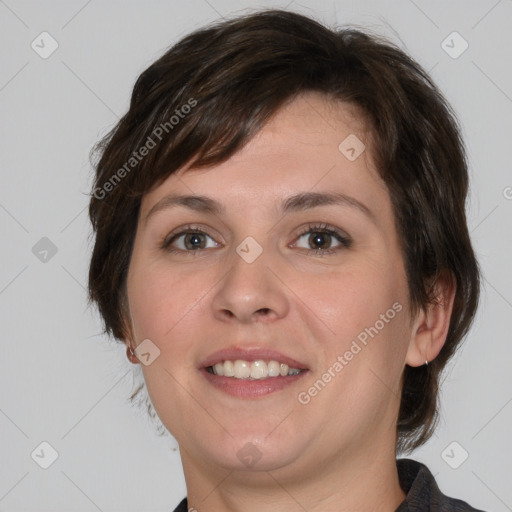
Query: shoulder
pixel 423 493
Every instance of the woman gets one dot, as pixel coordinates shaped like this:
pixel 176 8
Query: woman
pixel 281 243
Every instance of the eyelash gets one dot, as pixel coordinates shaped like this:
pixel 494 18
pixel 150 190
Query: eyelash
pixel 345 241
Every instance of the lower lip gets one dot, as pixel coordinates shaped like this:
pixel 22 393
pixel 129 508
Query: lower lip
pixel 243 388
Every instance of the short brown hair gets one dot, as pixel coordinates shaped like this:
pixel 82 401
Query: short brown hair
pixel 233 76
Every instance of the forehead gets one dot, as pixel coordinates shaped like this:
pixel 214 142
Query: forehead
pixel 311 124
pixel 308 145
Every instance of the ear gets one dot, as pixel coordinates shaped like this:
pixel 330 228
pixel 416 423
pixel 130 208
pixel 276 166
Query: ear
pixel 128 337
pixel 431 325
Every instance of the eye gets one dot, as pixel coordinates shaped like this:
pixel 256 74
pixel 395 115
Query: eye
pixel 321 236
pixel 190 239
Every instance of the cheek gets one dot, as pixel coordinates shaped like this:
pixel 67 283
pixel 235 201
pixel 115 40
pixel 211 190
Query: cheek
pixel 365 310
pixel 165 311
pixel 353 299
pixel 363 352
pixel 159 300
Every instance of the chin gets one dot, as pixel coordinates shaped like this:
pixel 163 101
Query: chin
pixel 252 458
pixel 251 452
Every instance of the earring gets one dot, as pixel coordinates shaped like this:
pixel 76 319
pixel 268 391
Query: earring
pixel 131 355
pixel 426 362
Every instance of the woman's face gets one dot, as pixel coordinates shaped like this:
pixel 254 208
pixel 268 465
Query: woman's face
pixel 264 274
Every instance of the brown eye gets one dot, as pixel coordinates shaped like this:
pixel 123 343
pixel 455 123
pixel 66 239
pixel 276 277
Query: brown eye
pixel 194 241
pixel 191 240
pixel 320 239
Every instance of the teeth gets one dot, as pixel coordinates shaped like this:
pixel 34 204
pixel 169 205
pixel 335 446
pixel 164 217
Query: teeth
pixel 259 369
pixel 229 368
pixel 273 368
pixel 242 369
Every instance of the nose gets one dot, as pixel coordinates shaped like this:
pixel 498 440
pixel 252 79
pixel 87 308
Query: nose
pixel 251 291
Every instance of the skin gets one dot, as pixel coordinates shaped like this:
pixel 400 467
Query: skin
pixel 337 452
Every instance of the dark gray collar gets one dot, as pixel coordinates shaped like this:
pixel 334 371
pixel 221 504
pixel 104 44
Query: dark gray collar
pixel 423 493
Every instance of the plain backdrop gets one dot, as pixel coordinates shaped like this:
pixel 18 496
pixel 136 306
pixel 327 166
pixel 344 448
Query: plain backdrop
pixel 63 383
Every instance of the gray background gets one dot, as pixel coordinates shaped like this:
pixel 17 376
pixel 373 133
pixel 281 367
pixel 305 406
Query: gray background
pixel 62 382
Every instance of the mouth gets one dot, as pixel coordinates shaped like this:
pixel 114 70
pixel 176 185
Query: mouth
pixel 251 373
pixel 255 370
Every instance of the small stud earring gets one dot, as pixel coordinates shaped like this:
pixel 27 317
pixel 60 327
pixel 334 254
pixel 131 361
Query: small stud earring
pixel 131 355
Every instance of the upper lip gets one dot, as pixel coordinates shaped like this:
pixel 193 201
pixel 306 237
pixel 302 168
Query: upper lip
pixel 250 354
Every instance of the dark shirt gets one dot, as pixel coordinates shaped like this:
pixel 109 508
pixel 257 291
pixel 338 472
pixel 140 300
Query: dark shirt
pixel 418 483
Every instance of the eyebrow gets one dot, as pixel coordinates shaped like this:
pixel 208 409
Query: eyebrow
pixel 298 202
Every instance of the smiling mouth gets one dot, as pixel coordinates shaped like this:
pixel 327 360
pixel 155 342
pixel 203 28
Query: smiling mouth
pixel 252 370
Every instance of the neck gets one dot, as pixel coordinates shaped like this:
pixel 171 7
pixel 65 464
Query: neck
pixel 343 482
